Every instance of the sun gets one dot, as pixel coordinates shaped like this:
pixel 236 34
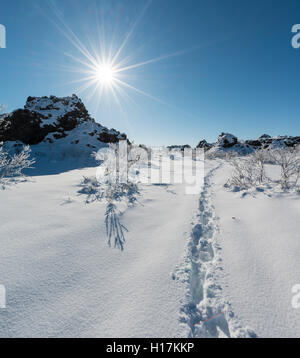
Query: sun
pixel 105 74
pixel 103 68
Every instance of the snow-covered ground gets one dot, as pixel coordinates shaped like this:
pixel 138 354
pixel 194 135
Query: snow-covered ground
pixel 259 237
pixel 61 277
pixel 203 265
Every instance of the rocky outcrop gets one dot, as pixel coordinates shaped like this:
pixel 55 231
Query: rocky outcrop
pixel 204 145
pixel 179 147
pixel 228 141
pixel 254 143
pixel 51 119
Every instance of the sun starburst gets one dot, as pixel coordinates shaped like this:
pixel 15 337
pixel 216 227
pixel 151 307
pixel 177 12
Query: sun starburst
pixel 103 71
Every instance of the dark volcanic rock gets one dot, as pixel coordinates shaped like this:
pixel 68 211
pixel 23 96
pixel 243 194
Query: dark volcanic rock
pixel 23 125
pixel 106 137
pixel 179 147
pixel 254 143
pixel 203 144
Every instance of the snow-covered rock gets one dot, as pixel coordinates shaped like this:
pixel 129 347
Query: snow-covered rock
pixel 265 136
pixel 56 129
pixel 227 140
pixel 203 144
pixel 52 118
pixel 179 147
pixel 230 143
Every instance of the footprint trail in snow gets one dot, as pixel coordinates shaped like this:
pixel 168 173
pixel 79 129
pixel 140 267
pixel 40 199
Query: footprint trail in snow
pixel 205 313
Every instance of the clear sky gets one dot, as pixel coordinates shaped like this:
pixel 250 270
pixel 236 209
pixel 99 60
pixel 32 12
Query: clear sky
pixel 232 67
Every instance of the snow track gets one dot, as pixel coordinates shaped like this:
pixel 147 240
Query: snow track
pixel 205 313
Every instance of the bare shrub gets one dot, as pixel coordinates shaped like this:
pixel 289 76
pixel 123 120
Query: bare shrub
pixel 249 171
pixel 116 180
pixel 11 167
pixel 114 187
pixel 258 159
pixel 289 163
pixel 244 174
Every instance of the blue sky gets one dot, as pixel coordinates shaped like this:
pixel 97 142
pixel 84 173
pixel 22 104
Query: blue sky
pixel 235 69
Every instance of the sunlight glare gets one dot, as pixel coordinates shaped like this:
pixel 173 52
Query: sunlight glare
pixel 105 74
